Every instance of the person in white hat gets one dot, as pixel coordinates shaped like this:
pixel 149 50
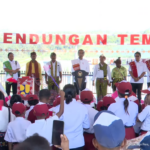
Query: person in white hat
pixel 109 131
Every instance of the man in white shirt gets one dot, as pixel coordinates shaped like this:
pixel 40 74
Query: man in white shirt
pixel 101 71
pixel 84 65
pixel 137 70
pixel 55 72
pixel 12 68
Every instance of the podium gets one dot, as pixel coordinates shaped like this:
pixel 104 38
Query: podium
pixel 25 87
pixel 80 76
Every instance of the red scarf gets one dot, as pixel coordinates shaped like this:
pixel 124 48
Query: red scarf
pixel 148 64
pixel 134 69
pixel 35 67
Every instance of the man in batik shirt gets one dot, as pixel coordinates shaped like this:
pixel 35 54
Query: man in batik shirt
pixel 118 74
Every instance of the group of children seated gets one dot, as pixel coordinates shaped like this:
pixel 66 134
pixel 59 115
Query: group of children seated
pixel 106 126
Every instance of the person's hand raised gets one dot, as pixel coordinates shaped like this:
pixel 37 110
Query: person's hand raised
pixel 64 143
pixel 62 93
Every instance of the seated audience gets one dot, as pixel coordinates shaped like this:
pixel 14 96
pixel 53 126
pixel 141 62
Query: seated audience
pixel 16 130
pixel 109 131
pixel 41 126
pixel 144 116
pixel 5 117
pixel 99 106
pixel 75 118
pixel 37 142
pixel 105 102
pixel 14 99
pixel 86 98
pixel 32 101
pixel 125 109
pixel 34 142
pixel 44 97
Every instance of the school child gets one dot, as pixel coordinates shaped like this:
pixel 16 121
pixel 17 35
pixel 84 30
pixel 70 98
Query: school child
pixel 32 101
pixel 125 109
pixel 43 126
pixel 86 98
pixel 16 130
pixel 109 131
pixel 144 116
pixel 5 117
pixel 105 102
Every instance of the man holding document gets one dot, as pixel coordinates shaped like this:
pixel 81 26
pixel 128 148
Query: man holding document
pixel 80 64
pixel 101 71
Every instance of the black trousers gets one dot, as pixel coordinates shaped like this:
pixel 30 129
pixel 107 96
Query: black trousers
pixel 83 87
pixel 136 88
pixel 148 84
pixel 8 87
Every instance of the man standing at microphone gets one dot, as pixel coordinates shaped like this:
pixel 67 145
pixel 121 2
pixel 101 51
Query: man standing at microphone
pixel 83 65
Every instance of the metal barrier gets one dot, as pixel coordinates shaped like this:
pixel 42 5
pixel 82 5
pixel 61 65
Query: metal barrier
pixel 67 78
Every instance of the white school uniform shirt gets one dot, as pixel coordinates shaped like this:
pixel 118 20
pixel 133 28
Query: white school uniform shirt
pixel 16 130
pixel 14 67
pixel 91 113
pixel 84 65
pixel 43 128
pixel 118 109
pixel 100 73
pixel 131 98
pixel 4 114
pixel 55 109
pixel 59 68
pixel 75 118
pixel 28 111
pixel 144 117
pixel 141 67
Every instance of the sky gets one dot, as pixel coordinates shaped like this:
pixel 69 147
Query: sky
pixel 74 15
